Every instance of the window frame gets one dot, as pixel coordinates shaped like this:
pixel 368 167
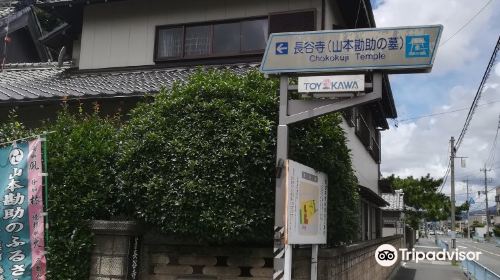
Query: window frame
pixel 211 24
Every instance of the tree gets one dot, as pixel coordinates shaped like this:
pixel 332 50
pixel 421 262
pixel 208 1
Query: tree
pixel 476 224
pixel 421 194
pixel 496 230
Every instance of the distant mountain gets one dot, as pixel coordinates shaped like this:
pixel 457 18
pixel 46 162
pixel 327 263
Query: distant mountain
pixel 492 211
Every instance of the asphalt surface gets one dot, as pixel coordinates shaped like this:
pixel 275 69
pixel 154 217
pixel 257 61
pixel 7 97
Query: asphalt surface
pixel 490 256
pixel 424 269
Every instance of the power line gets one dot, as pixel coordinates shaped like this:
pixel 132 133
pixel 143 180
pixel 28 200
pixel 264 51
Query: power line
pixel 465 25
pixel 491 156
pixel 471 110
pixel 446 112
pixel 478 95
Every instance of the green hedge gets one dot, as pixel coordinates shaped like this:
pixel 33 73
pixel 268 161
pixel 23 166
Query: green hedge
pixel 81 159
pixel 199 160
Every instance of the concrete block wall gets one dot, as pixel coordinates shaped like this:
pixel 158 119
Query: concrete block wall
pixel 177 262
pixel 165 258
pixel 356 262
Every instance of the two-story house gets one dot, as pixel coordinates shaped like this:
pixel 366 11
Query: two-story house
pixel 123 50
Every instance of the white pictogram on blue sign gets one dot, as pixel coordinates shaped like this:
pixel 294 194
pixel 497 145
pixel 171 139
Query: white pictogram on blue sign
pixel 281 48
pixel 418 46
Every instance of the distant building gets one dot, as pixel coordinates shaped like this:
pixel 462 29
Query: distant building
pixel 477 218
pixel 392 215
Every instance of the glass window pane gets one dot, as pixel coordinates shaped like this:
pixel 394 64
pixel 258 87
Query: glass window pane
pixel 169 42
pixel 253 35
pixel 226 38
pixel 197 41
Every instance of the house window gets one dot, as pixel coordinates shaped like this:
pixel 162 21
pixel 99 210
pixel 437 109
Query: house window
pixel 197 41
pixel 224 39
pixel 170 42
pixel 246 36
pixel 227 38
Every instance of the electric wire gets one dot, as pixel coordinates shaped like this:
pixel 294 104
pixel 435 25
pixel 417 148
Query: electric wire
pixel 446 112
pixel 478 96
pixel 465 25
pixel 472 110
pixel 491 156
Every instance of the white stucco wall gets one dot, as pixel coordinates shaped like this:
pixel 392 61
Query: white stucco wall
pixel 366 169
pixel 118 34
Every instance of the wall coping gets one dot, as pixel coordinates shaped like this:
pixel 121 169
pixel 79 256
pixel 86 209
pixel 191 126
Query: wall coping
pixel 342 250
pixel 129 228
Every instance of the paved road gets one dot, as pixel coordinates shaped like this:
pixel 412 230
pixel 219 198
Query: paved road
pixel 490 256
pixel 425 270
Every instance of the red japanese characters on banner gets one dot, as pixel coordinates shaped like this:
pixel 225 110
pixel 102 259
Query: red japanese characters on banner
pixel 35 210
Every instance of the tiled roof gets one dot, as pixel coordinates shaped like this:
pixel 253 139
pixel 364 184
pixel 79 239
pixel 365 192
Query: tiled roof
pixel 6 7
pixel 396 201
pixel 41 81
pixel 4 11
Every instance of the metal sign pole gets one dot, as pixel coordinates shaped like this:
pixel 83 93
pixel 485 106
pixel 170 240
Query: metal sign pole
pixel 314 262
pixel 282 264
pixel 292 111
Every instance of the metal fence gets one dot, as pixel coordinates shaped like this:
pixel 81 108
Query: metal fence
pixel 474 270
pixel 442 244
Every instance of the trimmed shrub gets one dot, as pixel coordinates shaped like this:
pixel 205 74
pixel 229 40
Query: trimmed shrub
pixel 199 160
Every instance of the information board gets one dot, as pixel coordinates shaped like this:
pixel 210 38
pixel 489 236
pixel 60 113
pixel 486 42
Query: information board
pixel 307 198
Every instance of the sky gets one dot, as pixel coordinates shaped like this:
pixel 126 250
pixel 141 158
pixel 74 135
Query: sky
pixel 419 146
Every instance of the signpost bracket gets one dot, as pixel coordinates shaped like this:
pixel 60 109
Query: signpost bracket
pixel 301 110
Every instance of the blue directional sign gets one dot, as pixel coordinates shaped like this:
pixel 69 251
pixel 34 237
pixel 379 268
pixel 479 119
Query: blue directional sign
pixel 395 50
pixel 471 200
pixel 281 48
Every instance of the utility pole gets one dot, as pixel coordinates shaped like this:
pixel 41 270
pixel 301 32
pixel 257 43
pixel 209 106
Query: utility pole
pixel 452 167
pixel 486 199
pixel 468 224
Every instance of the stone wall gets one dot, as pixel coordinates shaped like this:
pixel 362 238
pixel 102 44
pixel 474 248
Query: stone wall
pixel 177 262
pixel 165 258
pixel 169 262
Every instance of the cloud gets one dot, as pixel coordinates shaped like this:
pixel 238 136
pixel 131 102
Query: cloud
pixel 465 46
pixel 421 147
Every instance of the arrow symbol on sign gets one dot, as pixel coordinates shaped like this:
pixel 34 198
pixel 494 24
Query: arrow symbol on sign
pixel 282 48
